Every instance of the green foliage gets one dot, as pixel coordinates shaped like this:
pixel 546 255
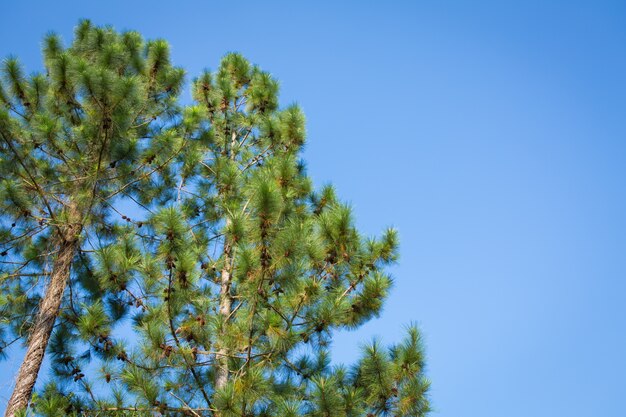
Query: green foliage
pixel 71 144
pixel 200 232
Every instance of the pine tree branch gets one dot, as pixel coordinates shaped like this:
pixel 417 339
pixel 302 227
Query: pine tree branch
pixel 94 189
pixel 185 404
pixel 256 159
pixel 173 332
pixel 29 233
pixel 8 344
pixel 146 175
pixel 36 185
pixel 245 138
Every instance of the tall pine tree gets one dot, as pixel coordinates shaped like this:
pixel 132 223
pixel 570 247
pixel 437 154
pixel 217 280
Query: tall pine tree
pixel 94 128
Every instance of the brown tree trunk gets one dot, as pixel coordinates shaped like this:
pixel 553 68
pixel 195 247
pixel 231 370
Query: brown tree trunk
pixel 44 322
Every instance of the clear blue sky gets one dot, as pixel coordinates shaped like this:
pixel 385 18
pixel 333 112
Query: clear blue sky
pixel 492 135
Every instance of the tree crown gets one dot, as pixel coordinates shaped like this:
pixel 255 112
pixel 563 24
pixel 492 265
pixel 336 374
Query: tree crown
pixel 201 235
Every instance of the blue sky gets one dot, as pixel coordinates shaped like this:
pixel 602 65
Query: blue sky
pixel 491 134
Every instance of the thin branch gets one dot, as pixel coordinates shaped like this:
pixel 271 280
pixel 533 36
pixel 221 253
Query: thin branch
pixel 39 189
pixel 171 323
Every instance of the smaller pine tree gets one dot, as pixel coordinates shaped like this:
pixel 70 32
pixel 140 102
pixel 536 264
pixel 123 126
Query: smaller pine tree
pixel 237 280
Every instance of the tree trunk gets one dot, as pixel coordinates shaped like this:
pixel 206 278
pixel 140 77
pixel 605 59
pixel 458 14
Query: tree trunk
pixel 44 322
pixel 221 375
pixel 226 300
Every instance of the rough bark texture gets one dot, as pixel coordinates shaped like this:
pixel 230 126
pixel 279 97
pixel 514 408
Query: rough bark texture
pixel 226 301
pixel 44 322
pixel 221 375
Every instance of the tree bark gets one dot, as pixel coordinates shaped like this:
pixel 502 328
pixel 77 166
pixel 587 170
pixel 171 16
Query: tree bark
pixel 226 300
pixel 44 321
pixel 221 375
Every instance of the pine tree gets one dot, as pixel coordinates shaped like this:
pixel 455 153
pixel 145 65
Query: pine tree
pixel 221 296
pixel 241 277
pixel 98 126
